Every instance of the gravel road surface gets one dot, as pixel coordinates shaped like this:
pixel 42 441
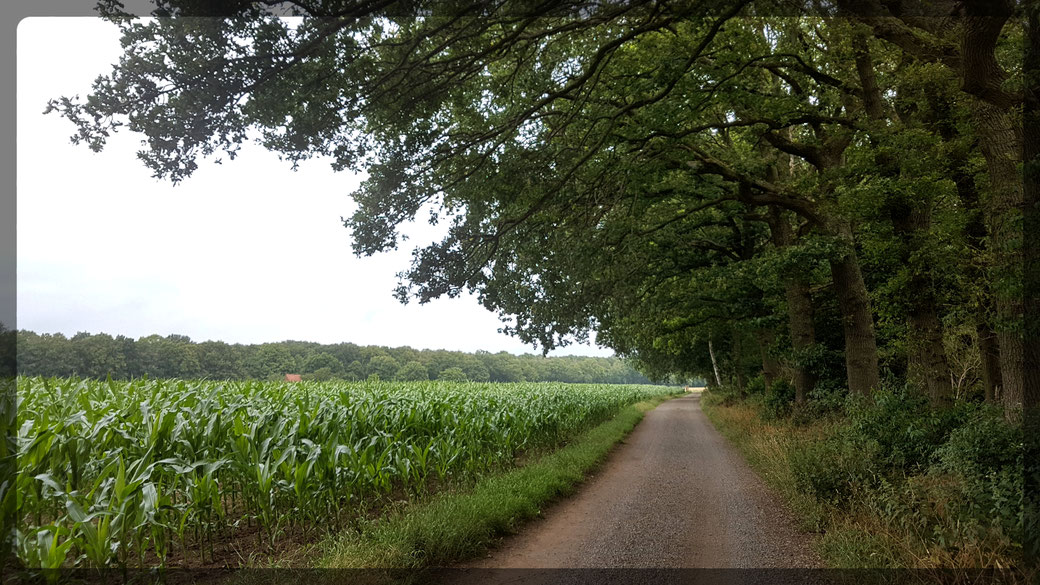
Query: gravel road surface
pixel 674 495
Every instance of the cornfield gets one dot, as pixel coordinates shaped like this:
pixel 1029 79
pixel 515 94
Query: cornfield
pixel 125 474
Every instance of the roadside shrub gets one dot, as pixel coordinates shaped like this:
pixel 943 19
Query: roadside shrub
pixel 756 385
pixel 831 470
pixel 721 395
pixel 996 499
pixel 987 454
pixel 925 505
pixel 729 399
pixel 903 428
pixel 711 396
pixel 985 443
pixel 778 400
pixel 827 398
pixel 953 514
pixel 755 401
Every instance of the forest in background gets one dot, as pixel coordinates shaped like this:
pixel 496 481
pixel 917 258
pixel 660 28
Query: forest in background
pixel 177 356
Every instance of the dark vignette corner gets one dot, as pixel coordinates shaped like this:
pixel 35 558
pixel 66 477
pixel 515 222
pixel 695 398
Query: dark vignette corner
pixel 1031 249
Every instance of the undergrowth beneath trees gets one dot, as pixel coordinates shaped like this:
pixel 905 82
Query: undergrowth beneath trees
pixel 887 481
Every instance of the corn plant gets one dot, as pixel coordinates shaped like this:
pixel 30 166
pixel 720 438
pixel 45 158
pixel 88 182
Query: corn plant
pixel 126 473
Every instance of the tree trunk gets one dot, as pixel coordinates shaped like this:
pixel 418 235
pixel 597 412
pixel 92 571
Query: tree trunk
pixel 861 354
pixel 929 356
pixel 990 364
pixel 714 363
pixel 1031 292
pixel 799 310
pixel 975 230
pixel 909 218
pixel 1031 267
pixel 738 358
pixel 803 334
pixel 1000 141
pixel 975 235
pixel 770 367
pixel 924 334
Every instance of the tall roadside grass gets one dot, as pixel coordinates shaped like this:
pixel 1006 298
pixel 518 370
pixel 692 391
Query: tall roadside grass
pixel 889 483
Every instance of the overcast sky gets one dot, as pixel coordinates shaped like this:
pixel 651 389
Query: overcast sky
pixel 248 251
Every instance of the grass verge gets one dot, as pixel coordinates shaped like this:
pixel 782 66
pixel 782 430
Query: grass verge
pixel 765 446
pixel 455 526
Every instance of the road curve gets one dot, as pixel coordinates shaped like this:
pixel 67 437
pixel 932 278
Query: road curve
pixel 675 494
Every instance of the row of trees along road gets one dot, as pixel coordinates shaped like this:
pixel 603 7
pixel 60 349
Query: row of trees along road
pixel 177 356
pixel 835 199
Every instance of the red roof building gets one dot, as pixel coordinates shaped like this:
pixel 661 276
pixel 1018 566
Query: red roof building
pixel 293 378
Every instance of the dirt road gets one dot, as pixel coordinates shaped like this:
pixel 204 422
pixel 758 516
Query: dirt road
pixel 674 495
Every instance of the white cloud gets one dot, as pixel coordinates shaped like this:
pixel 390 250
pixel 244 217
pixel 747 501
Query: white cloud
pixel 247 251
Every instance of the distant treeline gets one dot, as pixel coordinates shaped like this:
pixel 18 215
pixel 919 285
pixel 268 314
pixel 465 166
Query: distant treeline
pixel 177 356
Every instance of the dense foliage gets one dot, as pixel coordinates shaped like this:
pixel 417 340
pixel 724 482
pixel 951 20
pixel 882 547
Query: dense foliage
pixel 945 485
pixel 827 199
pixel 139 473
pixel 176 356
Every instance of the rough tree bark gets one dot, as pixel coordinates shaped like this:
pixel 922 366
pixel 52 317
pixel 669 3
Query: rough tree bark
pixel 770 366
pixel 1000 141
pixel 1031 260
pixel 929 355
pixel 925 334
pixel 803 334
pixel 995 114
pixel 799 309
pixel 738 357
pixel 989 352
pixel 861 353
